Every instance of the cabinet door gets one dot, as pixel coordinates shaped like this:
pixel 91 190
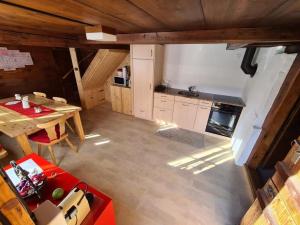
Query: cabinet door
pixel 184 115
pixel 126 101
pixel 201 118
pixel 163 103
pixel 116 98
pixel 143 88
pixel 142 51
pixel 160 114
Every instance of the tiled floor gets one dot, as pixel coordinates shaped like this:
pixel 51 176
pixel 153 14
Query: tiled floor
pixel 154 180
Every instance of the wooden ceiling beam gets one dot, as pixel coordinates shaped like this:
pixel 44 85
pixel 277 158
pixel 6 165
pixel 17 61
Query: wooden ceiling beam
pixel 230 35
pixel 24 39
pixel 237 35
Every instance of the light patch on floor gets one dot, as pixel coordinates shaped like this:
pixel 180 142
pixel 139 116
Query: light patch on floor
pixel 154 180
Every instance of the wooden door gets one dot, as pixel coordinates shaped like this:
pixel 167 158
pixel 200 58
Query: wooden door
pixel 184 115
pixel 116 98
pixel 142 51
pixel 201 118
pixel 143 88
pixel 127 101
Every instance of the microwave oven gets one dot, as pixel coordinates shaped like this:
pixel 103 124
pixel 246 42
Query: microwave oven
pixel 120 81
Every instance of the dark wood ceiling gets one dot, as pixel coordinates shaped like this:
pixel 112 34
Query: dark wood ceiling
pixel 68 18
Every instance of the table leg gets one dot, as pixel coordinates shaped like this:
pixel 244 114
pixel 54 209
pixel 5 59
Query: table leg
pixel 24 144
pixel 78 126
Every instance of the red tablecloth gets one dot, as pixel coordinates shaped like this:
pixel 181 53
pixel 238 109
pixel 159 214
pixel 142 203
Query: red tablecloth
pixel 28 112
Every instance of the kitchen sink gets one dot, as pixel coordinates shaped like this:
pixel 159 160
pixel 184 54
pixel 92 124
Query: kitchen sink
pixel 188 93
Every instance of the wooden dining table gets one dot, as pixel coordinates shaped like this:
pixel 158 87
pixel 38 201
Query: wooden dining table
pixel 17 125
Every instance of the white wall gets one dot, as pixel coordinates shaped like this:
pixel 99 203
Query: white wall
pixel 259 94
pixel 210 67
pixel 214 69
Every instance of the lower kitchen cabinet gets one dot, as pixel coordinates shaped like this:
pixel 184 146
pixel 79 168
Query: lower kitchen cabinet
pixel 163 107
pixel 121 99
pixel 203 112
pixel 184 115
pixel 126 101
pixel 164 115
pixel 116 98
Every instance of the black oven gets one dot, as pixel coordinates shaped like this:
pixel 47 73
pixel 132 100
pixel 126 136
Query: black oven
pixel 223 119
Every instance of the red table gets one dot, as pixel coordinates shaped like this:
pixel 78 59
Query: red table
pixel 102 211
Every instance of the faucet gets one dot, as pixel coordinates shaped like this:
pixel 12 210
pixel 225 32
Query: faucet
pixel 192 88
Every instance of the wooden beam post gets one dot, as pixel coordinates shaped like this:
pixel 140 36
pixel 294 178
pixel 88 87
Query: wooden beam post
pixel 77 76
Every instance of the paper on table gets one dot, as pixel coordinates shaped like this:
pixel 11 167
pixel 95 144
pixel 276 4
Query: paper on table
pixel 28 165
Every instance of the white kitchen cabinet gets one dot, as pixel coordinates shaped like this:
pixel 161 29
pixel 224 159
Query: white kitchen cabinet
pixel 184 115
pixel 194 101
pixel 163 107
pixel 203 112
pixel 163 101
pixel 146 68
pixel 162 115
pixel 162 96
pixel 143 88
pixel 143 51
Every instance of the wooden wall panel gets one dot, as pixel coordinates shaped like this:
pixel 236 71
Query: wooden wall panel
pixel 64 65
pixel 42 76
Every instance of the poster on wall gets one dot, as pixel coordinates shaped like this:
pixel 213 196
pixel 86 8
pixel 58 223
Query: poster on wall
pixel 14 59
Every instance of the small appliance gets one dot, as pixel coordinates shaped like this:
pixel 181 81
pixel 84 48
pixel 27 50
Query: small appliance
pixel 76 205
pixel 122 78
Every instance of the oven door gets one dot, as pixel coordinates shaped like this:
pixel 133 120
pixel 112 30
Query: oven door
pixel 222 122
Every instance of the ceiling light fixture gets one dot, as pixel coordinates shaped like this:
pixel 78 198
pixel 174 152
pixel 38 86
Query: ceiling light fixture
pixel 100 33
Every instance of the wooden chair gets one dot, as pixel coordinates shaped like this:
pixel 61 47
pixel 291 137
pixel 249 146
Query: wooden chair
pixel 3 152
pixel 52 133
pixel 40 94
pixel 63 100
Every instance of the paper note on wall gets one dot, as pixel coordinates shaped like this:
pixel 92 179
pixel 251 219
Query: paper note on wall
pixel 14 59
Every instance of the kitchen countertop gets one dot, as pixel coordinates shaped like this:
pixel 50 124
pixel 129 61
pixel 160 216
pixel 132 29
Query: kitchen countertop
pixel 230 100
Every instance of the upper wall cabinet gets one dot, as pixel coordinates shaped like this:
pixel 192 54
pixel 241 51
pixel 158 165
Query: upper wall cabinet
pixel 143 51
pixel 146 68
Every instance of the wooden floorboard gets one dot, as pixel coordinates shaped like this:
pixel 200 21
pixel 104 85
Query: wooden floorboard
pixel 154 180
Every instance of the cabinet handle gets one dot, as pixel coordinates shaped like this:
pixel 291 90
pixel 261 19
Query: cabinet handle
pixel 163 101
pixel 184 104
pixel 151 52
pixel 161 110
pixel 150 86
pixel 204 108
